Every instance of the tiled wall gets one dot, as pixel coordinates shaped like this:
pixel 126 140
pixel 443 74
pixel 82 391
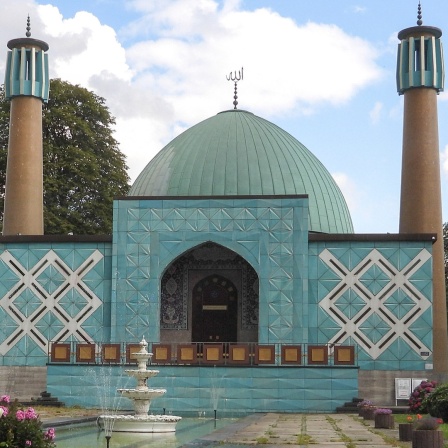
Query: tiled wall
pixel 51 291
pixel 270 234
pixel 232 391
pixel 376 295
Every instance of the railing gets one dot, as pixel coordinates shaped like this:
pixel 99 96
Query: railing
pixel 205 354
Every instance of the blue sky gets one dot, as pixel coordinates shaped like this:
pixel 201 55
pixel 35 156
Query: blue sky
pixel 322 70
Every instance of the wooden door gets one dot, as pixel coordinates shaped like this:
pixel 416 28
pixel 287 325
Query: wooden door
pixel 214 310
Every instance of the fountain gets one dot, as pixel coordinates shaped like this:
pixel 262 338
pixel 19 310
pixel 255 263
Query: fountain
pixel 142 396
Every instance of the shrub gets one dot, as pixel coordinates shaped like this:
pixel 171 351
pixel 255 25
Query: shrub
pixel 21 428
pixel 427 423
pixel 417 397
pixel 436 403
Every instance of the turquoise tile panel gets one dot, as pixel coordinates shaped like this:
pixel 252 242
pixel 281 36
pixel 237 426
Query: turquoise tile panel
pixel 288 394
pixel 285 395
pixel 312 394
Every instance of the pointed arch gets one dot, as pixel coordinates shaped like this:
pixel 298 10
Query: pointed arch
pixel 191 268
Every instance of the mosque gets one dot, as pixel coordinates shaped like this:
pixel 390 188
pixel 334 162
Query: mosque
pixel 235 256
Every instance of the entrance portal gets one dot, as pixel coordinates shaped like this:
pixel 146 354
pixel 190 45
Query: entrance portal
pixel 209 294
pixel 215 305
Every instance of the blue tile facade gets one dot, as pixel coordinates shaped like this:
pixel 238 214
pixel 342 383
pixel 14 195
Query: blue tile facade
pixel 52 291
pixel 270 234
pixel 375 295
pixel 231 391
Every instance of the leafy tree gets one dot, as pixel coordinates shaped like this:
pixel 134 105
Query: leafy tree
pixel 83 166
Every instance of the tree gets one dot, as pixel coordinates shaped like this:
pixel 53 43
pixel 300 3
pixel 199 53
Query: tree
pixel 83 166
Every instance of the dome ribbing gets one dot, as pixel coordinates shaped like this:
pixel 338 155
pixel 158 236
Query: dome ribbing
pixel 236 153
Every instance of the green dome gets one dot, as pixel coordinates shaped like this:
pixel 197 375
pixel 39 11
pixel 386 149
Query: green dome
pixel 236 153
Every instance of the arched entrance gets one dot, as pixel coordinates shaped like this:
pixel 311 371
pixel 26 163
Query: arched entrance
pixel 220 278
pixel 214 310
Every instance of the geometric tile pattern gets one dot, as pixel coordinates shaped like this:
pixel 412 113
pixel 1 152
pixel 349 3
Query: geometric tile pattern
pixel 47 300
pixel 375 303
pixel 269 233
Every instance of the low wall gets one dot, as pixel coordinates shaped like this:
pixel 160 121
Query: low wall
pixel 379 385
pixel 23 382
pixel 230 390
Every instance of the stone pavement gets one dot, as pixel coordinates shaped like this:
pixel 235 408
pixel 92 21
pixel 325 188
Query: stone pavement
pixel 301 430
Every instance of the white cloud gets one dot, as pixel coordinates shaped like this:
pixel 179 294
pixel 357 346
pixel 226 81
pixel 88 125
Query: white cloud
pixel 359 9
pixel 81 47
pixel 285 65
pixel 174 72
pixel 375 113
pixel 349 189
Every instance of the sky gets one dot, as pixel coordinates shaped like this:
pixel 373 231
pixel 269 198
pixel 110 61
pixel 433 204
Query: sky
pixel 323 70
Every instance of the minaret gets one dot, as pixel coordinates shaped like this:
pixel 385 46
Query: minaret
pixel 420 77
pixel 27 85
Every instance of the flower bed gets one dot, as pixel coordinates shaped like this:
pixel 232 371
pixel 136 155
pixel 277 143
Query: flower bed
pixel 22 428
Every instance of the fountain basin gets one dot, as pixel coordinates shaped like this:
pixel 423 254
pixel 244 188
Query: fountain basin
pixel 142 374
pixel 145 424
pixel 142 394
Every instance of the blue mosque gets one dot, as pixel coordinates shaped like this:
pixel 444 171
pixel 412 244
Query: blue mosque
pixel 235 256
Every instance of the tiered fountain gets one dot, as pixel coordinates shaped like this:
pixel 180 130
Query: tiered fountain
pixel 142 396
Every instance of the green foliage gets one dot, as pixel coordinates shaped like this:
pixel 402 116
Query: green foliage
pixel 437 402
pixel 21 428
pixel 83 166
pixel 427 424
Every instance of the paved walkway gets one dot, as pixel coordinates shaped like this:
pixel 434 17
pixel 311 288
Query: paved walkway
pixel 302 430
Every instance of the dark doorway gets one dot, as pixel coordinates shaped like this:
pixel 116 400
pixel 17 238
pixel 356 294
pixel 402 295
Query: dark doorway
pixel 215 306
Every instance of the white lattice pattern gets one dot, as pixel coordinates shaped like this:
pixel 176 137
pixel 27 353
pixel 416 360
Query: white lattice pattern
pixel 371 321
pixel 50 286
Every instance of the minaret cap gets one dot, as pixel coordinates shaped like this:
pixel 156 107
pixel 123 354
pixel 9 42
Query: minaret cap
pixel 419 29
pixel 28 41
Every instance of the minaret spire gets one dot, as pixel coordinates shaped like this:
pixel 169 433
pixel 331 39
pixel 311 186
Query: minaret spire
pixel 419 15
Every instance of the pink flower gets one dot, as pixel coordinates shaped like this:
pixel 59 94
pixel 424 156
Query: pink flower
pixel 30 414
pixel 20 415
pixel 5 398
pixel 28 443
pixel 3 411
pixel 50 434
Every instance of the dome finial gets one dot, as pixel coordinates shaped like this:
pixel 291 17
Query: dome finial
pixel 235 78
pixel 28 27
pixel 419 15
